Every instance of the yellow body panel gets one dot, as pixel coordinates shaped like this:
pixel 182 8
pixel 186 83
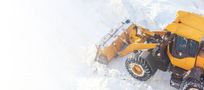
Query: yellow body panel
pixel 191 19
pixel 188 25
pixel 185 63
pixel 185 31
pixel 200 62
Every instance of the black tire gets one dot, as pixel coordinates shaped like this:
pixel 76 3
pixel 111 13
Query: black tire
pixel 135 60
pixel 191 84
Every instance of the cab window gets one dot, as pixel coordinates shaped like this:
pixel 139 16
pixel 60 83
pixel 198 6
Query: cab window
pixel 193 48
pixel 183 47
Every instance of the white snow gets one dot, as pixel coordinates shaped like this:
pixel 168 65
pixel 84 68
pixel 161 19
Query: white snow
pixel 49 44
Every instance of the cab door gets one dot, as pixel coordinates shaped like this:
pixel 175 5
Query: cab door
pixel 182 52
pixel 200 56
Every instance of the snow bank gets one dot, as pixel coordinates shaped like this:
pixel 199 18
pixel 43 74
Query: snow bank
pixel 152 14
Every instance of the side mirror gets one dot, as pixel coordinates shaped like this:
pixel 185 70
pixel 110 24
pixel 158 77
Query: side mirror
pixel 201 48
pixel 202 42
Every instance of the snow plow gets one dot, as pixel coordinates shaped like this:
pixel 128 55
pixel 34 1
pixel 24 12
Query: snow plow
pixel 179 48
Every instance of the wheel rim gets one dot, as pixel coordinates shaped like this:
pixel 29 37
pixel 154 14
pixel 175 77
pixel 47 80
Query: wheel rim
pixel 137 69
pixel 193 88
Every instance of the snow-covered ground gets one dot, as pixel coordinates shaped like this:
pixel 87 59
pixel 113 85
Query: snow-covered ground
pixel 49 44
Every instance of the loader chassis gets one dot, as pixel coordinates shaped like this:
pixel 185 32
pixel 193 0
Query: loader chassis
pixel 179 48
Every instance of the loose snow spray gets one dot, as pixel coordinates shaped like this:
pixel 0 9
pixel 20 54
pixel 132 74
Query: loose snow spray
pixel 104 77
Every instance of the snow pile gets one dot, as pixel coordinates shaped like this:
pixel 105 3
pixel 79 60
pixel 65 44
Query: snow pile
pixel 152 14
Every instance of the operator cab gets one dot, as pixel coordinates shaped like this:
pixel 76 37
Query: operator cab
pixel 182 47
pixel 183 52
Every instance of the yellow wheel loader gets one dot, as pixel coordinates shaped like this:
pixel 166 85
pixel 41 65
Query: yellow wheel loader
pixel 179 48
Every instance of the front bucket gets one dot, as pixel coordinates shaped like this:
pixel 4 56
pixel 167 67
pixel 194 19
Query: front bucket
pixel 113 42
